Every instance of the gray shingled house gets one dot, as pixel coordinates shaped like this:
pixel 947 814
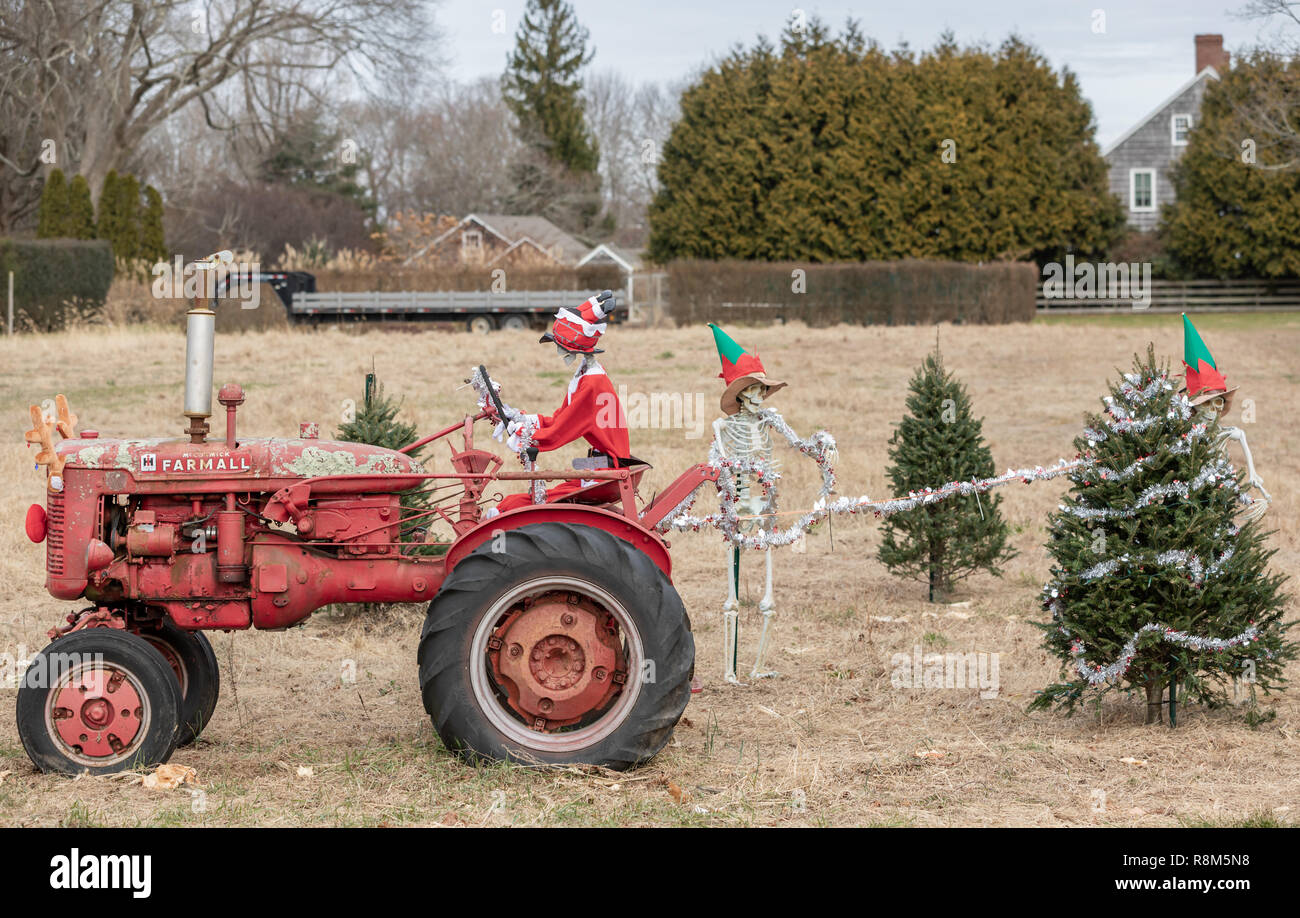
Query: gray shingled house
pixel 1140 159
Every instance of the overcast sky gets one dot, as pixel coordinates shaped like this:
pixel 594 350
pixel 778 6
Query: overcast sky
pixel 1144 55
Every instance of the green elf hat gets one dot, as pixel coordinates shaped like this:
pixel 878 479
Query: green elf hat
pixel 740 370
pixel 1202 379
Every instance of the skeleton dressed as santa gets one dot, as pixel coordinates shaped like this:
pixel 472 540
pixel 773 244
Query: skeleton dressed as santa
pixel 590 411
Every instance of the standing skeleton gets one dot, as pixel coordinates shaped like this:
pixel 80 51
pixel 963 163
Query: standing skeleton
pixel 745 436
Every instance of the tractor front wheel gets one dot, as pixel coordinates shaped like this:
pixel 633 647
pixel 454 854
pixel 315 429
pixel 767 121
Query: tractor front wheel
pixel 98 701
pixel 191 658
pixel 564 645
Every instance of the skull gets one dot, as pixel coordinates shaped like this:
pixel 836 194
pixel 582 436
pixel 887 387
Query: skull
pixel 751 397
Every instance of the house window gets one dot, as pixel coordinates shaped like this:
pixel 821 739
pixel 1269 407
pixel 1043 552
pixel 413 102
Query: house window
pixel 1179 127
pixel 471 245
pixel 1141 189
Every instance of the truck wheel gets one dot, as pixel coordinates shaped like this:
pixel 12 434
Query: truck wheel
pixel 568 647
pixel 480 325
pixel 514 323
pixel 191 658
pixel 98 701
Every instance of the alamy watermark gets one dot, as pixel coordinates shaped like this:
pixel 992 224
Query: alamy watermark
pixel 1101 281
pixel 226 277
pixel 973 670
pixel 43 670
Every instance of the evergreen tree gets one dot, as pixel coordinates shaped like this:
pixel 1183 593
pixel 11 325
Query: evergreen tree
pixel 556 173
pixel 81 212
pixel 54 207
pixel 1155 585
pixel 827 148
pixel 126 244
pixel 1237 213
pixel 376 423
pixel 153 244
pixel 108 223
pixel 940 441
pixel 310 154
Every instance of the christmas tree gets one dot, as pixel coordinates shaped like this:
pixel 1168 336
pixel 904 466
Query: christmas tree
pixel 1156 584
pixel 376 423
pixel 939 442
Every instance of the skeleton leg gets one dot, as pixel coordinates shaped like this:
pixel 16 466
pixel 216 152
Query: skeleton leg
pixel 731 619
pixel 764 606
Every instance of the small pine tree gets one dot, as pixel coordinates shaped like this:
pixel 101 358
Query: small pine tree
pixel 376 423
pixel 939 442
pixel 1150 564
pixel 153 244
pixel 54 207
pixel 81 212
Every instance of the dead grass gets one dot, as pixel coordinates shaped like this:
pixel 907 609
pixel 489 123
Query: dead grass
pixel 830 742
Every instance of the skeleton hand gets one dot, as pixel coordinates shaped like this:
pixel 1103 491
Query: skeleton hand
pixel 516 426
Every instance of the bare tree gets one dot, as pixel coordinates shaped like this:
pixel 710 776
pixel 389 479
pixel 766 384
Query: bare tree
pixel 1270 113
pixel 632 123
pixel 96 77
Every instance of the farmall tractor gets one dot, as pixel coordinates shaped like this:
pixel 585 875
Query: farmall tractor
pixel 553 635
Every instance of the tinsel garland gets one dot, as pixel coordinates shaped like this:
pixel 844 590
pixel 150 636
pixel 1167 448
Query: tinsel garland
pixel 1197 571
pixel 819 447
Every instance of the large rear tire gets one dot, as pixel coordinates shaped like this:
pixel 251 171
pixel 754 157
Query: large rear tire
pixel 98 701
pixel 191 658
pixel 556 644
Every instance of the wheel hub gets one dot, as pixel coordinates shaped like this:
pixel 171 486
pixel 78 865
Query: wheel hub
pixel 558 658
pixel 99 713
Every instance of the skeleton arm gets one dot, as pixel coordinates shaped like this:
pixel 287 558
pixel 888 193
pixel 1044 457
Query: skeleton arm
pixel 1239 435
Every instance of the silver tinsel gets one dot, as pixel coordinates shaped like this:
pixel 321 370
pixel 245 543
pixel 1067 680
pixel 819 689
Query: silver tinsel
pixel 1198 572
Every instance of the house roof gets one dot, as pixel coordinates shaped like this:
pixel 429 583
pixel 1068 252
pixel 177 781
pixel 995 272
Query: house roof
pixel 628 261
pixel 1115 144
pixel 541 231
pixel 514 228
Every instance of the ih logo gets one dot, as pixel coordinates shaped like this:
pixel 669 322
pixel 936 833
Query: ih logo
pixel 148 462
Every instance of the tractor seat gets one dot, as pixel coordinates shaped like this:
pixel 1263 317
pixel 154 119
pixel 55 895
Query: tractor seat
pixel 605 492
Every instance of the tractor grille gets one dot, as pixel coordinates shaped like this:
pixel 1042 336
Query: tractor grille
pixel 54 534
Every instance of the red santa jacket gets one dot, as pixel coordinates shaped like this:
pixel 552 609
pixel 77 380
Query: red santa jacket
pixel 591 410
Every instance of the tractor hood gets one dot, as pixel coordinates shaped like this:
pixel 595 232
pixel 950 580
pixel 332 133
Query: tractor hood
pixel 179 459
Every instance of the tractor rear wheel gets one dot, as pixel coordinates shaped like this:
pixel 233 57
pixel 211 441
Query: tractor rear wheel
pixel 98 701
pixel 191 658
pixel 566 645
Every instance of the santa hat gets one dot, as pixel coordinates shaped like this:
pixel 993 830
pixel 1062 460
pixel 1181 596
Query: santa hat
pixel 740 370
pixel 579 331
pixel 1202 379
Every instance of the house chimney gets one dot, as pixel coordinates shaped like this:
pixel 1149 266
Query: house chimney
pixel 1210 53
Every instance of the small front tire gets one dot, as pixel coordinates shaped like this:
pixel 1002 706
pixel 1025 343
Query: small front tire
pixel 99 702
pixel 191 658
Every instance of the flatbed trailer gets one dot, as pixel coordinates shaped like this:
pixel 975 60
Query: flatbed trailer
pixel 479 310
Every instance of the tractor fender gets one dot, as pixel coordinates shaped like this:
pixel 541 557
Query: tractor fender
pixel 630 531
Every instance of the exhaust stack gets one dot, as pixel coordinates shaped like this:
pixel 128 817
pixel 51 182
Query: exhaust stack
pixel 200 331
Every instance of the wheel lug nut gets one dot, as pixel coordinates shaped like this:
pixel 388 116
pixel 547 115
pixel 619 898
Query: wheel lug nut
pixel 546 704
pixel 568 619
pixel 516 650
pixel 598 674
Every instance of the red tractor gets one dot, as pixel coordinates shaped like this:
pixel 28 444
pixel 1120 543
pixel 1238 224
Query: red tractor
pixel 553 634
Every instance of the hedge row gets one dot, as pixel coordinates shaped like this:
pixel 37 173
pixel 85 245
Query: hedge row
pixel 55 279
pixel 867 293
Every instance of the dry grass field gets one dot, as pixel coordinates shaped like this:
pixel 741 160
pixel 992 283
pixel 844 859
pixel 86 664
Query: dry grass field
pixel 829 742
